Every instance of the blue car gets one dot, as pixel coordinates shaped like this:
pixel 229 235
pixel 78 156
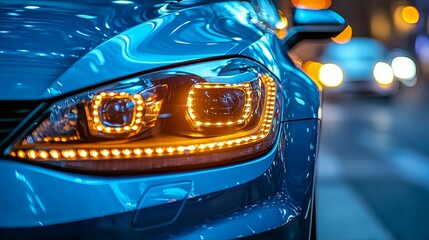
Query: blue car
pixel 365 65
pixel 157 119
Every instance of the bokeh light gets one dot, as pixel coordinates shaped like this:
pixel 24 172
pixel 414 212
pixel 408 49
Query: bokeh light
pixel 422 48
pixel 281 26
pixel 380 26
pixel 331 75
pixel 312 4
pixel 383 74
pixel 312 69
pixel 405 18
pixel 410 14
pixel 404 68
pixel 344 36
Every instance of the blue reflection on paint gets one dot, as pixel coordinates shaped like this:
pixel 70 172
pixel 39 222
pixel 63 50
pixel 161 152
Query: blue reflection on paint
pixel 60 33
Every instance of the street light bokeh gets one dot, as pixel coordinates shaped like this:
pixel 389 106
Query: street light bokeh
pixel 410 14
pixel 312 4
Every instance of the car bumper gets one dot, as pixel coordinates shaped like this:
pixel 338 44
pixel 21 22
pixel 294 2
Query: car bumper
pixel 270 192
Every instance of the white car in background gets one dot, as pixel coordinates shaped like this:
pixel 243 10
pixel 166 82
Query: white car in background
pixel 365 65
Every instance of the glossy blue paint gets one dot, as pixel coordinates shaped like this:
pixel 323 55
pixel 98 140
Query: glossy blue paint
pixel 96 48
pixel 314 24
pixel 319 17
pixel 216 30
pixel 40 40
pixel 174 195
pixel 37 188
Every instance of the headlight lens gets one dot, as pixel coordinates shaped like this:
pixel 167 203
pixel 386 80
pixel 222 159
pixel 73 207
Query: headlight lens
pixel 331 75
pixel 404 68
pixel 383 74
pixel 200 115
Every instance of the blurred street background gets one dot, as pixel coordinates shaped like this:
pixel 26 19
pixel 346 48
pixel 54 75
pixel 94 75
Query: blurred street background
pixel 373 165
pixel 373 168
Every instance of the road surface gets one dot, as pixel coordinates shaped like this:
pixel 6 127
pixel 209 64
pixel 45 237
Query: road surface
pixel 373 167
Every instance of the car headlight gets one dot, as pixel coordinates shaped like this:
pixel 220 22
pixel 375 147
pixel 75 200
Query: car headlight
pixel 404 68
pixel 383 74
pixel 331 75
pixel 198 115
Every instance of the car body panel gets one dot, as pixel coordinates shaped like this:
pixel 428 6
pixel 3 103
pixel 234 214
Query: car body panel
pixel 215 31
pixel 73 56
pixel 42 39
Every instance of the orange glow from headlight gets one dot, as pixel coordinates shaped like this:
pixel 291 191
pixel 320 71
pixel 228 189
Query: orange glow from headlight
pixel 312 4
pixel 344 36
pixel 410 15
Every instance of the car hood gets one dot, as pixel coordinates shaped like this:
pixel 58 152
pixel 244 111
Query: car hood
pixel 53 47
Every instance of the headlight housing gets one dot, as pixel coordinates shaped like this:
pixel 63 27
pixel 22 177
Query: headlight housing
pixel 199 115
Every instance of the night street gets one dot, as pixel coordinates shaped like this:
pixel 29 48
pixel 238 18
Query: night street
pixel 373 168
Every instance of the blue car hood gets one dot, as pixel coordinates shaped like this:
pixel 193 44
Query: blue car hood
pixel 53 47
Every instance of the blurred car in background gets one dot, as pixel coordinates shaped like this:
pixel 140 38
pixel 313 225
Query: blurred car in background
pixel 363 66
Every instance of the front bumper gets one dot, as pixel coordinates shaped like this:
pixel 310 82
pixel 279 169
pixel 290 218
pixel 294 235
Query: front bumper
pixel 225 202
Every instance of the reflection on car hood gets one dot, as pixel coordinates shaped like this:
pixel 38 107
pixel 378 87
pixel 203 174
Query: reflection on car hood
pixel 41 40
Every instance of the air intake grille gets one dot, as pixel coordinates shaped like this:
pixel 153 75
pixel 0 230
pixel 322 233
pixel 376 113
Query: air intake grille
pixel 12 113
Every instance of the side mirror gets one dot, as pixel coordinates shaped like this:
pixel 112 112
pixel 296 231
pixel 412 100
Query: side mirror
pixel 314 24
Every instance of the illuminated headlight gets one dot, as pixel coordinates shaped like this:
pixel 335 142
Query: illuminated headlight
pixel 200 115
pixel 404 68
pixel 383 74
pixel 331 75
